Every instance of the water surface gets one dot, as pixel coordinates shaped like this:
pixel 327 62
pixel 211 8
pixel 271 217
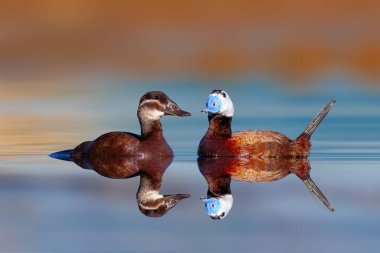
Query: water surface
pixel 50 205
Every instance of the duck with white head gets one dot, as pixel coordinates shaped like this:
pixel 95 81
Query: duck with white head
pixel 221 141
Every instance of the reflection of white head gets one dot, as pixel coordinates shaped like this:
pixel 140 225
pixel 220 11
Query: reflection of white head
pixel 219 102
pixel 219 207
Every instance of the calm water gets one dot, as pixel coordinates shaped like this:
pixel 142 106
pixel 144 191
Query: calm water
pixel 50 205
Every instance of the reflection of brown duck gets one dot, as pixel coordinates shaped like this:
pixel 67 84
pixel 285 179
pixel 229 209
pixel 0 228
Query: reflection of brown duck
pixel 219 139
pixel 150 201
pixel 151 143
pixel 218 172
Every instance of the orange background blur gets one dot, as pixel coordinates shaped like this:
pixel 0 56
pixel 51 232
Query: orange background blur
pixel 291 38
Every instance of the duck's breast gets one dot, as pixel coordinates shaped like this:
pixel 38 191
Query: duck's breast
pixel 213 146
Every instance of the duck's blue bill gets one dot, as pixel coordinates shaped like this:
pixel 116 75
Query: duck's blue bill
pixel 212 205
pixel 213 104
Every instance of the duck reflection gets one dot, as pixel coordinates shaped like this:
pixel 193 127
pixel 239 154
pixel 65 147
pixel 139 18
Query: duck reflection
pixel 219 171
pixel 149 199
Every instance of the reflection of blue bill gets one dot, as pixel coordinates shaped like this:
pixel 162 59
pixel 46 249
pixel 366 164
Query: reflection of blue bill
pixel 212 205
pixel 213 104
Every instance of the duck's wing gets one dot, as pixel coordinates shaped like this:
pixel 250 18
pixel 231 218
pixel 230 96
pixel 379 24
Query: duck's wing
pixel 115 143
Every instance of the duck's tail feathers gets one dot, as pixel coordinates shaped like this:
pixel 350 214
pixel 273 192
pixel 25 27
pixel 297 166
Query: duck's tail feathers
pixel 318 118
pixel 317 193
pixel 65 155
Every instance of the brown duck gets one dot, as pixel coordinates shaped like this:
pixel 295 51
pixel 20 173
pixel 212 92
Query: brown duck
pixel 151 143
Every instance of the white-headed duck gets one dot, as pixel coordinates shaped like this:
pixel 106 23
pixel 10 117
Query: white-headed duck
pixel 219 139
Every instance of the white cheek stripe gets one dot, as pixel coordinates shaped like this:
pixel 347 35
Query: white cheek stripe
pixel 153 195
pixel 151 114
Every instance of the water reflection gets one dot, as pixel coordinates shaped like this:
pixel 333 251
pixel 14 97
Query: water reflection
pixel 149 199
pixel 219 171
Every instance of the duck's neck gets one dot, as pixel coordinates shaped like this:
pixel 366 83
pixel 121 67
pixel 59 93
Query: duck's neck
pixel 219 186
pixel 219 125
pixel 150 128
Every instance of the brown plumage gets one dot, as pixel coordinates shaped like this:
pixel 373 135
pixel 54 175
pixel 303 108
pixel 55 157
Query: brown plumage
pixel 255 143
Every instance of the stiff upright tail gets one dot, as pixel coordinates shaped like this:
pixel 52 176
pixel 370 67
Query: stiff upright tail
pixel 65 155
pixel 321 114
pixel 317 193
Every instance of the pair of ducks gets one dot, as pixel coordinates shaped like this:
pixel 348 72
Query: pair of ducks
pixel 218 142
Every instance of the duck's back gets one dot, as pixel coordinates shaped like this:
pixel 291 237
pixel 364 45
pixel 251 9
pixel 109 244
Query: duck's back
pixel 260 143
pixel 116 142
pixel 124 144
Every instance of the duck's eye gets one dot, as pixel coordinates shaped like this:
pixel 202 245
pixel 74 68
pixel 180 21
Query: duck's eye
pixel 224 94
pixel 213 104
pixel 213 205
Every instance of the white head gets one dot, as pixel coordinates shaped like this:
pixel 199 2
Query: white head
pixel 219 102
pixel 218 207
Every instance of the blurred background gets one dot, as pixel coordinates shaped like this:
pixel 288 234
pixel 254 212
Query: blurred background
pixel 43 40
pixel 72 70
